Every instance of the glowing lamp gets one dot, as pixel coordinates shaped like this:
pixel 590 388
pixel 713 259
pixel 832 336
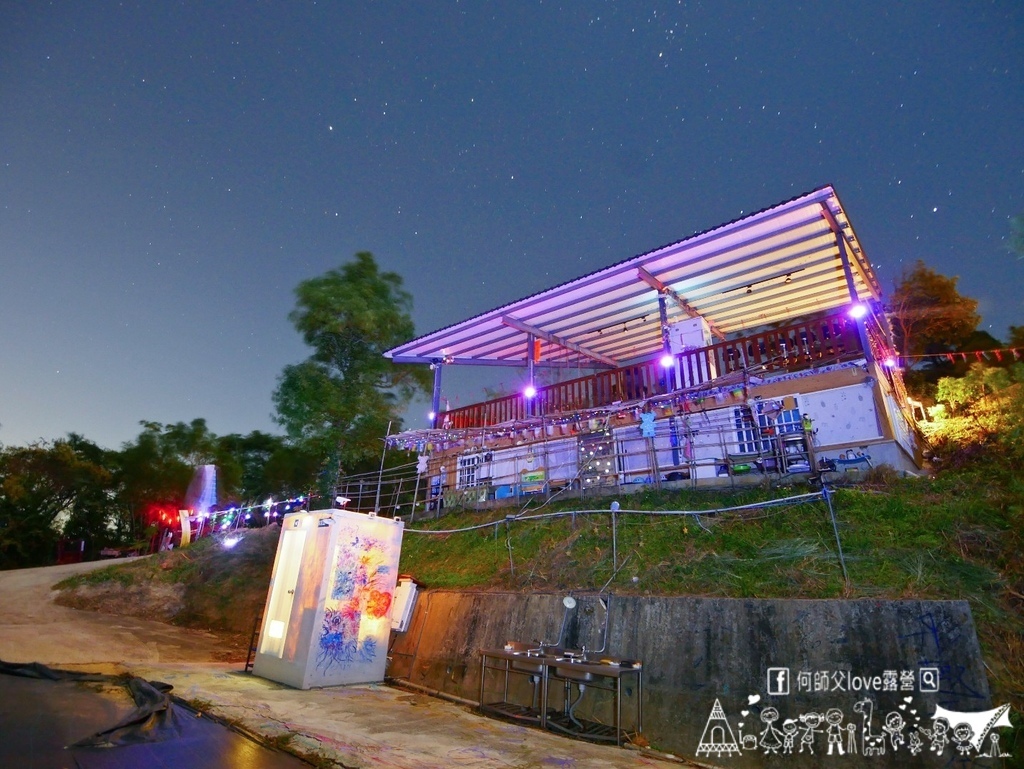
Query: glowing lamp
pixel 431 415
pixel 858 311
pixel 230 542
pixel 890 362
pixel 667 361
pixel 529 391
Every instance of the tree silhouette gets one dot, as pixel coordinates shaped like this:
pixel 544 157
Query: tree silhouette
pixel 928 313
pixel 340 400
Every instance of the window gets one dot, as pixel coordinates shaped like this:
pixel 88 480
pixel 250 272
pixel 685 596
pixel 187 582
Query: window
pixel 787 422
pixel 467 472
pixel 771 420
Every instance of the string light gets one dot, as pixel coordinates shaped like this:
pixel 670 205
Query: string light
pixel 1016 352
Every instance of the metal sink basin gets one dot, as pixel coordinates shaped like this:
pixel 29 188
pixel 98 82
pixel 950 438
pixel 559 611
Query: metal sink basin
pixel 531 665
pixel 533 660
pixel 570 670
pixel 573 673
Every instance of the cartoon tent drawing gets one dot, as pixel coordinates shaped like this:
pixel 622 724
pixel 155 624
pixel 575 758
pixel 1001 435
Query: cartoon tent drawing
pixel 718 737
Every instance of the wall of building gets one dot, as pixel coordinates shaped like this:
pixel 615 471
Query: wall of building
pixel 853 417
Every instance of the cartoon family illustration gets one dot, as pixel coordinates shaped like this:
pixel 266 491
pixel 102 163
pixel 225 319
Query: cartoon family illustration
pixel 962 733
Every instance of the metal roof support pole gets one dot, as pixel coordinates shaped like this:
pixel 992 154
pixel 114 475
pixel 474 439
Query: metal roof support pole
pixel 435 402
pixel 851 285
pixel 529 375
pixel 862 331
pixel 666 344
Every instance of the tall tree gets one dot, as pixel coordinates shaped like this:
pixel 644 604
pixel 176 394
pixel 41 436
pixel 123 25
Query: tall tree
pixel 928 313
pixel 339 401
pixel 38 485
pixel 96 515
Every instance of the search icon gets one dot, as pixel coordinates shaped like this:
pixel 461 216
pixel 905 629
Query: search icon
pixel 928 679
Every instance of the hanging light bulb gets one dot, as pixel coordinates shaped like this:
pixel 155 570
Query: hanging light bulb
pixel 857 311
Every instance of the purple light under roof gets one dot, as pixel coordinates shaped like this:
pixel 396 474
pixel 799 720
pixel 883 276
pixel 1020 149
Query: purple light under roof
pixel 858 311
pixel 667 361
pixel 529 391
pixel 890 362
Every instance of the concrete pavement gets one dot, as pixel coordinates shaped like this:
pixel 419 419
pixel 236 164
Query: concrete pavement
pixel 353 726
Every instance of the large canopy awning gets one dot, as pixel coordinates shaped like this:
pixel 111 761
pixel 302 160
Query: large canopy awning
pixel 794 259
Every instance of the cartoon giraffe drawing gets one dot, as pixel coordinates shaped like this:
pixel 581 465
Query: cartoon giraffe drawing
pixel 873 744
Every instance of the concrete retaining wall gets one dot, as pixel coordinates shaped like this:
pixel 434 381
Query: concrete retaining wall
pixel 697 651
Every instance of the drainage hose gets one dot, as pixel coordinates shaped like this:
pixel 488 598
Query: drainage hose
pixel 572 707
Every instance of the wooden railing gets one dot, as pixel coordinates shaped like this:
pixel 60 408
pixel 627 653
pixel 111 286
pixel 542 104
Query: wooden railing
pixel 792 348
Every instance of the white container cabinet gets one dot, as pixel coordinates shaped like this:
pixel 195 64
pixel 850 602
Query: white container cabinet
pixel 328 615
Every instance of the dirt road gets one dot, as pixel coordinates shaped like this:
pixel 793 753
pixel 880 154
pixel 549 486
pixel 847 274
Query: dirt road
pixel 35 629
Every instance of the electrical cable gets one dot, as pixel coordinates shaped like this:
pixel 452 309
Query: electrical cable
pixel 799 498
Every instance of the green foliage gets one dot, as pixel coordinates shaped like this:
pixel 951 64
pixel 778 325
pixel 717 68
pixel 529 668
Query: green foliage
pixel 959 535
pixel 74 490
pixel 985 417
pixel 1011 436
pixel 340 400
pixel 43 486
pixel 267 465
pixel 928 313
pixel 979 381
pixel 154 470
pixel 113 573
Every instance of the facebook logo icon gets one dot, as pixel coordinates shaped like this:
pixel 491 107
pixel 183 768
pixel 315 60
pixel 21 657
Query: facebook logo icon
pixel 778 681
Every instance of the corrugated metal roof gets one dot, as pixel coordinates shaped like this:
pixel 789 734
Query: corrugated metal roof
pixel 765 268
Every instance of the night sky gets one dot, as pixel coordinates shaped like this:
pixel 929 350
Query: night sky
pixel 170 171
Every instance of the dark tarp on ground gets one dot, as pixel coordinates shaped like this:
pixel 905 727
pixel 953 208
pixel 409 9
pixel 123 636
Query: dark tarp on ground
pixel 42 709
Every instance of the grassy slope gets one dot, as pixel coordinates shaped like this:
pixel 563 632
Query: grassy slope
pixel 958 536
pixel 221 589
